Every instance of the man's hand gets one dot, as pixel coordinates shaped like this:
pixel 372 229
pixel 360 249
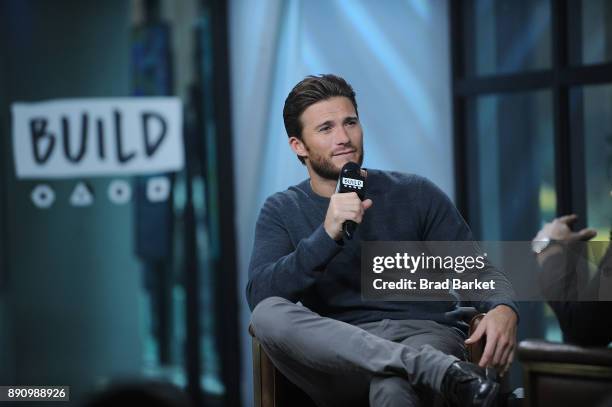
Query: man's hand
pixel 559 229
pixel 343 207
pixel 499 326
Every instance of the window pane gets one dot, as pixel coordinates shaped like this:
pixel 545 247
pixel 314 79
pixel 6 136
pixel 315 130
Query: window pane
pixel 510 164
pixel 506 36
pixel 511 178
pixel 590 31
pixel 591 112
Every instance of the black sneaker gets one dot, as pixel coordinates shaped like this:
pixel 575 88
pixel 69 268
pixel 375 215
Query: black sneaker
pixel 466 384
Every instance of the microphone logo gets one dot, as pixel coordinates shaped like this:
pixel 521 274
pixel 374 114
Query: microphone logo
pixel 352 183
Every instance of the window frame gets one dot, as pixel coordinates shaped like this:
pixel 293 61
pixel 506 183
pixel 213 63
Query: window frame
pixel 560 78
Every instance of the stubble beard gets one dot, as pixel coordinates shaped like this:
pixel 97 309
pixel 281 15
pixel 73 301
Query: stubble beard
pixel 326 169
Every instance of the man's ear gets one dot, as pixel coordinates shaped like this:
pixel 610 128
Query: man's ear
pixel 298 146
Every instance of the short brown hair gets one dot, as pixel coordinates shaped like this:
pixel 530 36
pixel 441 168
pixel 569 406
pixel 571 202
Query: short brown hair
pixel 309 91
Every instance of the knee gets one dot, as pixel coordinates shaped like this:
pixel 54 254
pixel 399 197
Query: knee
pixel 391 391
pixel 269 318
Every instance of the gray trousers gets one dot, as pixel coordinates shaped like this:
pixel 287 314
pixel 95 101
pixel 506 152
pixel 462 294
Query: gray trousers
pixel 386 363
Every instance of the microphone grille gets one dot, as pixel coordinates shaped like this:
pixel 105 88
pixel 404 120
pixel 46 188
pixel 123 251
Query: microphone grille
pixel 350 168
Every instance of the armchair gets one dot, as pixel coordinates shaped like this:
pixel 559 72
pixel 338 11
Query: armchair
pixel 272 389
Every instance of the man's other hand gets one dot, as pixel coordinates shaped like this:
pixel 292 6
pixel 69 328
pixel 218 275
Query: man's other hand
pixel 499 327
pixel 343 207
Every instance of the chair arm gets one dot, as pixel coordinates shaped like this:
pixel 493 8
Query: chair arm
pixel 265 376
pixel 476 349
pixel 543 351
pixel 557 374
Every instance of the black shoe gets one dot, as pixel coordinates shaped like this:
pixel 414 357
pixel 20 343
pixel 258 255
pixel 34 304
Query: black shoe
pixel 466 384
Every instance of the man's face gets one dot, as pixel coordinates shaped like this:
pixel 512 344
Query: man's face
pixel 331 137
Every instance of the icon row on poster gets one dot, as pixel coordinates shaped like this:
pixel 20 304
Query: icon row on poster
pixel 118 192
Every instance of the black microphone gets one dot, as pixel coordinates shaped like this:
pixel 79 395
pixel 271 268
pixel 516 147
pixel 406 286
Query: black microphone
pixel 351 180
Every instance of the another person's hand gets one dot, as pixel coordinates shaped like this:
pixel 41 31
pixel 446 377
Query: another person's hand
pixel 560 229
pixel 343 207
pixel 499 327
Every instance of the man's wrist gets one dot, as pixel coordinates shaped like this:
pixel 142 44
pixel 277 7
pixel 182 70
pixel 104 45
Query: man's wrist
pixel 552 248
pixel 539 244
pixel 337 239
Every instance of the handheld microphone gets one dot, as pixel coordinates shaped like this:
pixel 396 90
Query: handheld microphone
pixel 351 180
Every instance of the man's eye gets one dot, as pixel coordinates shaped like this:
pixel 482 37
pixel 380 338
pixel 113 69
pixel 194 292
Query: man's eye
pixel 325 129
pixel 351 122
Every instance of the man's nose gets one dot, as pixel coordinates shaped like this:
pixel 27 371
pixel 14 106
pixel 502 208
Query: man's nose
pixel 342 136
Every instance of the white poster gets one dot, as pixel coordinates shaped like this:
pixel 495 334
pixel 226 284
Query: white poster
pixel 97 137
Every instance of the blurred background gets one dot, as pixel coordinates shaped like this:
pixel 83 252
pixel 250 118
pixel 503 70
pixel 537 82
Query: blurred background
pixel 506 105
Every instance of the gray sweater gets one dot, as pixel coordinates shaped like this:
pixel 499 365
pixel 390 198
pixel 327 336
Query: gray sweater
pixel 294 258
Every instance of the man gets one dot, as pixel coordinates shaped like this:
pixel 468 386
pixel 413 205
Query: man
pixel 338 348
pixel 584 323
